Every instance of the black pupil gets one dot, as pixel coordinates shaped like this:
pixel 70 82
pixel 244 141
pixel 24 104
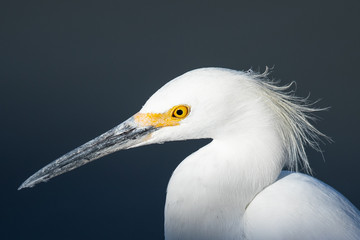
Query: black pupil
pixel 179 112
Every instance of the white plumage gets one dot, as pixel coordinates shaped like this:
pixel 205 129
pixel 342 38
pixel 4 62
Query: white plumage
pixel 234 187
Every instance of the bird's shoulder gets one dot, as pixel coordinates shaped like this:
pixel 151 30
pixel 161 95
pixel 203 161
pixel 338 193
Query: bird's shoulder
pixel 298 206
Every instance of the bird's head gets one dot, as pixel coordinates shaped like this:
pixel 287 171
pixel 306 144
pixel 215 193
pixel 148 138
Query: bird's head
pixel 203 103
pixel 198 104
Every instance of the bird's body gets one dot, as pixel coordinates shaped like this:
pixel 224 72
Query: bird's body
pixel 229 188
pixel 295 206
pixel 298 206
pixel 234 187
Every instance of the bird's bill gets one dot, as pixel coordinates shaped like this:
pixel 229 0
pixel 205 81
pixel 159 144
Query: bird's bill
pixel 124 136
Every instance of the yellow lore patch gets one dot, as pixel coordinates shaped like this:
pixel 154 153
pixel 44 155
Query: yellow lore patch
pixel 169 118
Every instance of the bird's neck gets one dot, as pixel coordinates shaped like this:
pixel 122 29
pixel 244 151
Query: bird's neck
pixel 215 184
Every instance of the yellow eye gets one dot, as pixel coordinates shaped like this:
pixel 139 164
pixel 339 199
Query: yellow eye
pixel 180 111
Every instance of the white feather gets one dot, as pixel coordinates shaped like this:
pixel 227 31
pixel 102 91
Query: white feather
pixel 298 206
pixel 294 114
pixel 257 129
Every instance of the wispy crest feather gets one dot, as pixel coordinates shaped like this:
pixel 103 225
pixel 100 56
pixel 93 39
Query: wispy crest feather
pixel 295 114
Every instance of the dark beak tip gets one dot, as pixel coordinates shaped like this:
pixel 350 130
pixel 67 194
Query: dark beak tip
pixel 25 184
pixel 33 180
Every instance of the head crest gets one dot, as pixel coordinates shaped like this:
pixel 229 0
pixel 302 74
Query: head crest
pixel 295 115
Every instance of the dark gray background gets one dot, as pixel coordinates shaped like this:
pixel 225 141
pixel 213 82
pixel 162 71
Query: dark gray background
pixel 70 70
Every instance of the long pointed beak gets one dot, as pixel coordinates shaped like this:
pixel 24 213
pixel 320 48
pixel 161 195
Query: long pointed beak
pixel 124 136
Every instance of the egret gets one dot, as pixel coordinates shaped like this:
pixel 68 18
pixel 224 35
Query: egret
pixel 235 186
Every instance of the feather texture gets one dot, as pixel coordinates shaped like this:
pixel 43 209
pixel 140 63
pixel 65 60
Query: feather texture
pixel 295 115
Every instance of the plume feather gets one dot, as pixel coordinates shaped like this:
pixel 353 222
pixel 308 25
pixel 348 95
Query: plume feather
pixel 294 114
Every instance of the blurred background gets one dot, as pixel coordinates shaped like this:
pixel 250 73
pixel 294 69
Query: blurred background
pixel 71 70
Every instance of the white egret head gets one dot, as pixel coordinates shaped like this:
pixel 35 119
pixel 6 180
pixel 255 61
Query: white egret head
pixel 214 98
pixel 203 103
